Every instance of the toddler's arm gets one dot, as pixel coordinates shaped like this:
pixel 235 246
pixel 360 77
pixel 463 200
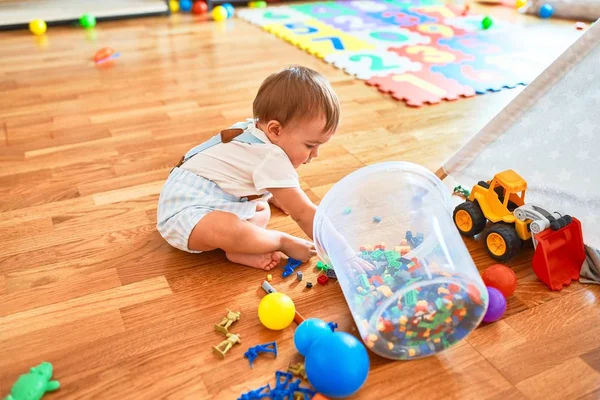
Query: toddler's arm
pixel 297 204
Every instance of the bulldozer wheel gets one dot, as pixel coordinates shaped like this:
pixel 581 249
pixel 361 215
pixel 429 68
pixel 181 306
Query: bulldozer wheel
pixel 502 241
pixel 469 218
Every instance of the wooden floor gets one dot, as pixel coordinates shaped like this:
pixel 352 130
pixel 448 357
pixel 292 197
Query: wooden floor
pixel 88 284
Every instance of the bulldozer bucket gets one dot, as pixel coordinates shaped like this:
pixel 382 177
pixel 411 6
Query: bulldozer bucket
pixel 559 255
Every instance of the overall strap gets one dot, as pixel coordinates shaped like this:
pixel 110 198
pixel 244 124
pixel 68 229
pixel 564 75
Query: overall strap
pixel 239 132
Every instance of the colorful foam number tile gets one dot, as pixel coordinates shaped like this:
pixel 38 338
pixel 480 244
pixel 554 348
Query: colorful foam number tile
pixel 482 44
pixel 318 38
pixel 480 76
pixel 325 9
pixel 369 5
pixel 419 88
pixel 367 64
pixel 472 23
pixel 271 15
pixel 437 30
pixel 432 54
pixel 440 12
pixel 391 36
pixel 353 23
pixel 402 17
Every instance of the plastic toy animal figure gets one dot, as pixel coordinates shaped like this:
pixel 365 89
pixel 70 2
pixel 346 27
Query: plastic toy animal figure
pixel 228 343
pixel 227 321
pixel 34 384
pixel 254 351
pixel 461 191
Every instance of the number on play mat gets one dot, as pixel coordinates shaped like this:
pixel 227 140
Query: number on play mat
pixel 353 22
pixel 432 54
pixel 376 62
pixel 299 28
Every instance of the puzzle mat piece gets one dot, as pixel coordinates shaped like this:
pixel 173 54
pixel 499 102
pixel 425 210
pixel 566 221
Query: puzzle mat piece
pixel 317 38
pixel 391 36
pixel 402 17
pixel 412 3
pixel 440 12
pixel 481 76
pixel 476 44
pixel 324 10
pixel 437 31
pixel 418 88
pixel 271 15
pixel 353 23
pixel 367 64
pixel 432 54
pixel 472 23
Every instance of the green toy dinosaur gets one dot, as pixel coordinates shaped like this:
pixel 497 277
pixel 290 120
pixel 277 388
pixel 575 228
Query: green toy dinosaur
pixel 34 384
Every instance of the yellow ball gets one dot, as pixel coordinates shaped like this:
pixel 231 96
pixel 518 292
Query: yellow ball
pixel 520 3
pixel 174 6
pixel 276 311
pixel 219 13
pixel 37 27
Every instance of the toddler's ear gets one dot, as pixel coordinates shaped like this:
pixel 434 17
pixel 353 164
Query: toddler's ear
pixel 274 128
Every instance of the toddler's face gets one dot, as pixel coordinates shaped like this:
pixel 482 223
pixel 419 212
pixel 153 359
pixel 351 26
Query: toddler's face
pixel 300 140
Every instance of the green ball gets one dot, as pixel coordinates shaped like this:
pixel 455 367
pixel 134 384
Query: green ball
pixel 487 22
pixel 87 21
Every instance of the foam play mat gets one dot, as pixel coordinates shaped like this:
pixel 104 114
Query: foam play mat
pixel 419 52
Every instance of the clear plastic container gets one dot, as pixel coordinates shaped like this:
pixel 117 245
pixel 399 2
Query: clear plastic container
pixel 409 281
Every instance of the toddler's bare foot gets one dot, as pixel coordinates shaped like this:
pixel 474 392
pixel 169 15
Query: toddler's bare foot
pixel 297 248
pixel 266 261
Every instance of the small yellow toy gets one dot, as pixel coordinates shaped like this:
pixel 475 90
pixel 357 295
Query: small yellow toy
pixel 227 344
pixel 276 311
pixel 174 6
pixel 38 27
pixel 219 13
pixel 226 322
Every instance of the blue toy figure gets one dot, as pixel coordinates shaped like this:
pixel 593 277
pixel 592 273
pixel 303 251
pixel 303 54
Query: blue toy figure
pixel 332 325
pixel 289 268
pixel 254 351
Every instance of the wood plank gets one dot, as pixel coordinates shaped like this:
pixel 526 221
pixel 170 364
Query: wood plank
pixel 92 304
pixel 571 379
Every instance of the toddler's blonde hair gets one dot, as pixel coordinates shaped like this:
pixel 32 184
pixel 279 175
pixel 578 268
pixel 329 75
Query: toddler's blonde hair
pixel 296 93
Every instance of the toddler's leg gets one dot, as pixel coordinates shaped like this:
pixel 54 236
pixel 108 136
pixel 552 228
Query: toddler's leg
pixel 223 230
pixel 266 261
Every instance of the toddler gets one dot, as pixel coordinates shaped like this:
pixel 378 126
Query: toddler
pixel 216 197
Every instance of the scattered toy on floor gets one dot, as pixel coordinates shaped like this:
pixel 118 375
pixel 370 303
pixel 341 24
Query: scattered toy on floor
pixel 269 277
pixel 376 219
pixel 414 241
pixel 330 273
pixel 34 384
pixel 254 351
pixel 322 267
pixel 299 275
pixel 230 9
pixel 227 320
pixel 185 5
pixel 337 364
pixel 105 54
pixel 199 8
pixel 257 4
pixel 580 26
pixel 546 11
pixel 219 13
pixel 347 210
pixel 227 344
pixel 461 191
pixel 308 332
pixel 38 27
pixel 285 388
pixel 332 325
pixel 496 305
pixel 298 318
pixel 502 278
pixel 87 21
pixel 289 268
pixel 309 285
pixel 276 311
pixel 297 370
pixel 322 279
pixel 174 6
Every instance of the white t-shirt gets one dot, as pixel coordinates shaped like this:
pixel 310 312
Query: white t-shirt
pixel 244 169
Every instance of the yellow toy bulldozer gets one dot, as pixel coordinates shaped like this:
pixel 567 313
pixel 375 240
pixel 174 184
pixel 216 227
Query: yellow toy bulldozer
pixel 502 202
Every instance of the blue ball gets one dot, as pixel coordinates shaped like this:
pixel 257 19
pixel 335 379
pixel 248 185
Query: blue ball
pixel 185 5
pixel 337 365
pixel 308 332
pixel 546 11
pixel 229 8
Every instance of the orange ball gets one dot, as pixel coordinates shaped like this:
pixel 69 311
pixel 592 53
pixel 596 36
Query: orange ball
pixel 199 7
pixel 502 278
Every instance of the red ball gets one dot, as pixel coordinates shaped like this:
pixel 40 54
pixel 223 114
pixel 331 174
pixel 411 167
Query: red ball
pixel 502 278
pixel 199 7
